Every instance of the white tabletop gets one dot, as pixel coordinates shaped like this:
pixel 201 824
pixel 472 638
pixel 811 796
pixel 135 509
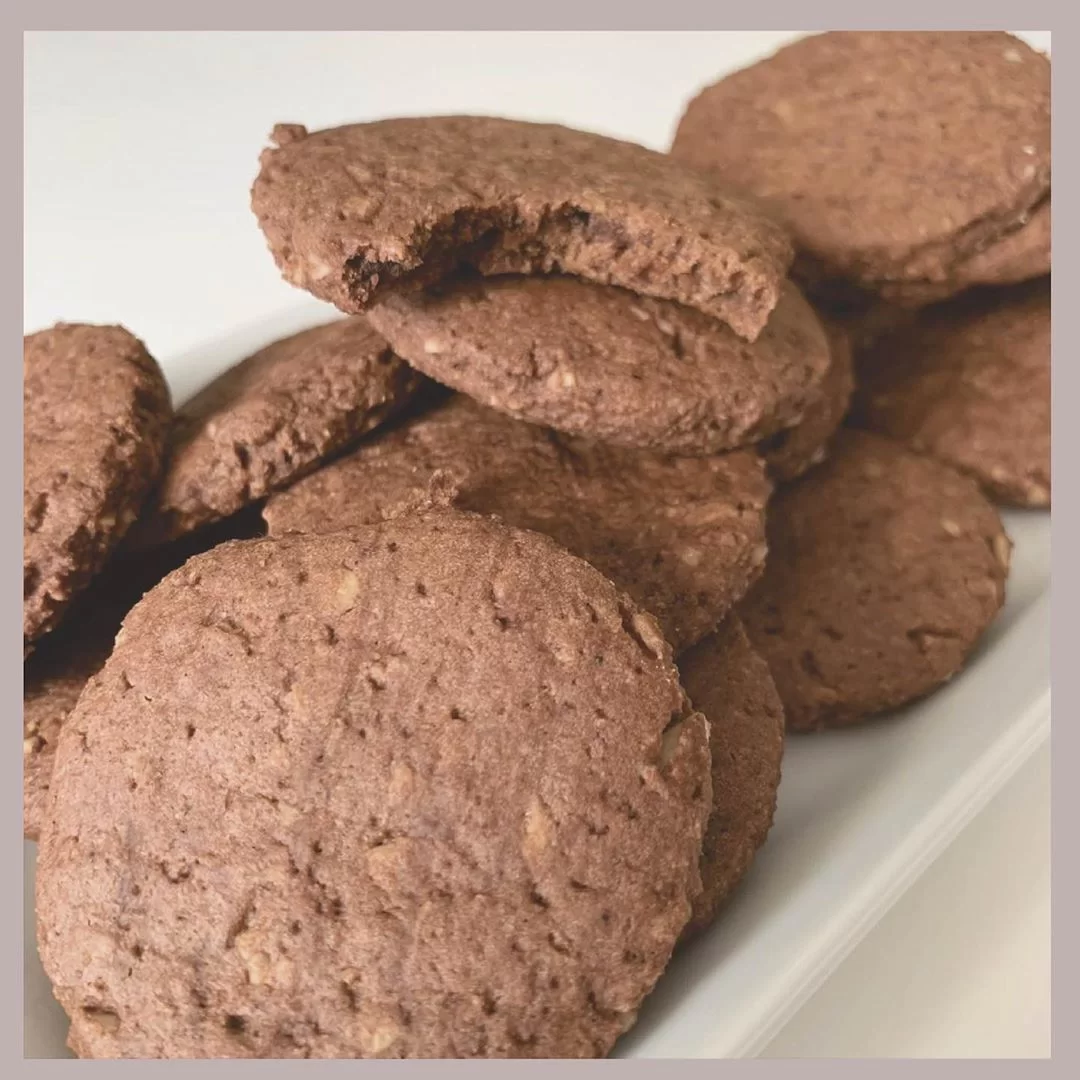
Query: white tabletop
pixel 960 967
pixel 140 149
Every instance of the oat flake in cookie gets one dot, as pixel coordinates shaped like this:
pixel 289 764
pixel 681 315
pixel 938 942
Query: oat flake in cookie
pixel 609 365
pixel 885 567
pixel 892 156
pixel 354 213
pixel 968 382
pixel 95 414
pixel 429 788
pixel 272 418
pixel 683 536
pixel 730 683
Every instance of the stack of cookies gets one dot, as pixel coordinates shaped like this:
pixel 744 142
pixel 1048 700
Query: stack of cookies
pixel 421 684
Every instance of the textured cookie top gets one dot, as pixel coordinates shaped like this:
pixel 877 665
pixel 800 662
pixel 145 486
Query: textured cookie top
pixel 888 154
pixel 428 788
pixel 683 536
pixel 354 212
pixel 969 383
pixel 884 569
pixel 272 418
pixel 609 365
pixel 95 414
pixel 789 453
pixel 730 683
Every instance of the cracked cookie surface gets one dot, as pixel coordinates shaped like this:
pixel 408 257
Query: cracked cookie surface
pixel 885 567
pixel 426 788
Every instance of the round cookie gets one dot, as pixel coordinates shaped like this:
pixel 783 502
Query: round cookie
pixel 789 453
pixel 1021 255
pixel 96 410
pixel 683 536
pixel 969 383
pixel 609 365
pixel 272 418
pixel 892 156
pixel 354 213
pixel 730 683
pixel 885 568
pixel 429 788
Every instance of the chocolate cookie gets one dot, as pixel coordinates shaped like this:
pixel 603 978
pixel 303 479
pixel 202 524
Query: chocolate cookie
pixel 791 452
pixel 884 569
pixel 683 536
pixel 354 213
pixel 1021 255
pixel 65 660
pixel 95 414
pixel 271 419
pixel 730 683
pixel 969 383
pixel 892 156
pixel 429 788
pixel 610 365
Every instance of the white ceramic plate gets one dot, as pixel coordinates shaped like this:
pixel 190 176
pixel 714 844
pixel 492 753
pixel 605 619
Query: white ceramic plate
pixel 862 813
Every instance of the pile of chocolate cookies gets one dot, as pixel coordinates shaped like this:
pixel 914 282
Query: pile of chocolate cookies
pixel 421 684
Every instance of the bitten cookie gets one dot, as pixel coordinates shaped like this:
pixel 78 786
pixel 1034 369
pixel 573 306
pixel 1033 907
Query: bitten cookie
pixel 730 683
pixel 271 419
pixel 683 536
pixel 95 414
pixel 892 156
pixel 884 570
pixel 609 365
pixel 789 453
pixel 429 788
pixel 968 382
pixel 354 213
